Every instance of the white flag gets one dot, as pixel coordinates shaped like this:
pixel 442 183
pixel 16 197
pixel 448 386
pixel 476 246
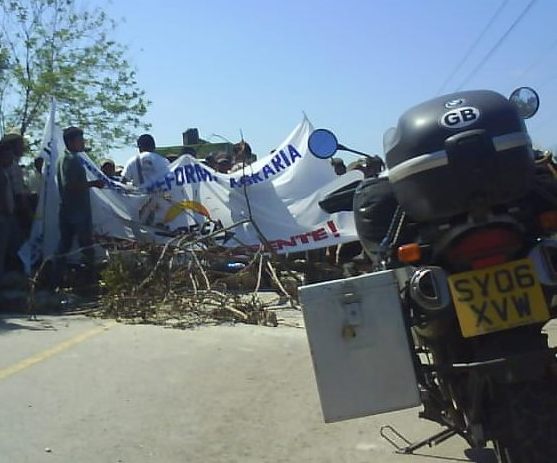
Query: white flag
pixel 45 234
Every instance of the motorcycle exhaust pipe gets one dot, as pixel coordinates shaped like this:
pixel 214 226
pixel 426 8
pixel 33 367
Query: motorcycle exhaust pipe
pixel 429 289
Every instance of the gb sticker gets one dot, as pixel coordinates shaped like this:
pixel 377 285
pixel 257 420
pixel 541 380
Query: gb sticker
pixel 461 117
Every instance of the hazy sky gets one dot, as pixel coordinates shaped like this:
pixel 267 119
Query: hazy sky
pixel 352 66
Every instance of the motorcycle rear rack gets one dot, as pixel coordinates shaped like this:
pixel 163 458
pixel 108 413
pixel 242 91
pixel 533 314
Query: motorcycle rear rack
pixel 524 358
pixel 408 447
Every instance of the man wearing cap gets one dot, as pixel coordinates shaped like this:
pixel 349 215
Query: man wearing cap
pixel 75 203
pixel 24 216
pixel 148 166
pixel 7 203
pixel 108 168
pixel 241 156
pixel 224 164
pixel 16 144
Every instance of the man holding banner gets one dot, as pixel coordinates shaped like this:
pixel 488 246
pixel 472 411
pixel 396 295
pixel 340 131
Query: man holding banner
pixel 75 204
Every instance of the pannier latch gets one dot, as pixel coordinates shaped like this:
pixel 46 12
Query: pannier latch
pixel 351 303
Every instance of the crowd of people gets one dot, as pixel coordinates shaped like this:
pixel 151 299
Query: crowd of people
pixel 148 165
pixel 20 190
pixel 19 193
pixel 228 163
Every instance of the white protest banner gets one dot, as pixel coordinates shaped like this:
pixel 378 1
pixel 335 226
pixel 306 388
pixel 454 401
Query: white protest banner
pixel 279 194
pixel 278 197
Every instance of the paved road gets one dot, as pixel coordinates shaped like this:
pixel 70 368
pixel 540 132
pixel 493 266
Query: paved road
pixel 74 389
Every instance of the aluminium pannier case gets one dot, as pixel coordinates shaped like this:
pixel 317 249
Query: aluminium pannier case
pixel 359 344
pixel 457 153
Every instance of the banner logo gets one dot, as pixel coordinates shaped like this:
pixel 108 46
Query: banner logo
pixel 177 208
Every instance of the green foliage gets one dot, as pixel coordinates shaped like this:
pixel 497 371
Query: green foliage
pixel 126 270
pixel 117 276
pixel 3 61
pixel 54 48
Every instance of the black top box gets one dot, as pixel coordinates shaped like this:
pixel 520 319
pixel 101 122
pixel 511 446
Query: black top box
pixel 459 153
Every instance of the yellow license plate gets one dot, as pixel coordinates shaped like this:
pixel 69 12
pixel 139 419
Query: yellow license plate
pixel 498 298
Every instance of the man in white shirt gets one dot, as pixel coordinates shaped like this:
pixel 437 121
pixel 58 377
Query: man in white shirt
pixel 147 166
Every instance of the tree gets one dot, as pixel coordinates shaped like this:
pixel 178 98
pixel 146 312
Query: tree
pixel 52 48
pixel 3 76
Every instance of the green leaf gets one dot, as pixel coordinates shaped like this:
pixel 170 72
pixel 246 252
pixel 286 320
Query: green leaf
pixel 52 48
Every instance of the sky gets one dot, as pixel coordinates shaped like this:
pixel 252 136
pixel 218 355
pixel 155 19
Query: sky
pixel 355 66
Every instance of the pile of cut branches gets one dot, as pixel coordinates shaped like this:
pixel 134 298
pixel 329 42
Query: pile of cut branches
pixel 186 287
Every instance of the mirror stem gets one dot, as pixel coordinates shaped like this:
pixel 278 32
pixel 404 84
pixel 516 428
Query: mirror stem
pixel 344 148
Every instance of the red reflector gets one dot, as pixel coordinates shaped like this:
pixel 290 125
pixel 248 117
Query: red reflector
pixel 486 247
pixel 489 261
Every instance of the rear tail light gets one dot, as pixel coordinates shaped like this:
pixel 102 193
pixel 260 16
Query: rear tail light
pixel 486 247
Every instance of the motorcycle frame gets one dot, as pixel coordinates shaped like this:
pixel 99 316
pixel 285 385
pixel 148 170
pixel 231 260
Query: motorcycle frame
pixel 442 403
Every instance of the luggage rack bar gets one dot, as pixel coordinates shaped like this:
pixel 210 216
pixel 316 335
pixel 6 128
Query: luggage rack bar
pixel 525 358
pixel 408 447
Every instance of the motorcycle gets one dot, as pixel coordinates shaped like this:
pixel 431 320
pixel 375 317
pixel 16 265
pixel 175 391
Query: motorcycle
pixel 468 212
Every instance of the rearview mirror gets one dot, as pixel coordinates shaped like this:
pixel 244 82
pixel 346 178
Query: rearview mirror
pixel 526 101
pixel 322 143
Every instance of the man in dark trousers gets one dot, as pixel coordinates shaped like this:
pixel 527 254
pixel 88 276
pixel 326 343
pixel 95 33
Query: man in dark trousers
pixel 75 203
pixel 7 204
pixel 23 211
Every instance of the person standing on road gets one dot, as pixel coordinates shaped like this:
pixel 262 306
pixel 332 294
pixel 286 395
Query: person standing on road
pixel 7 204
pixel 147 166
pixel 23 213
pixel 75 203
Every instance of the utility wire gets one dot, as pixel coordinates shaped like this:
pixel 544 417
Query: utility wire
pixel 498 44
pixel 473 46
